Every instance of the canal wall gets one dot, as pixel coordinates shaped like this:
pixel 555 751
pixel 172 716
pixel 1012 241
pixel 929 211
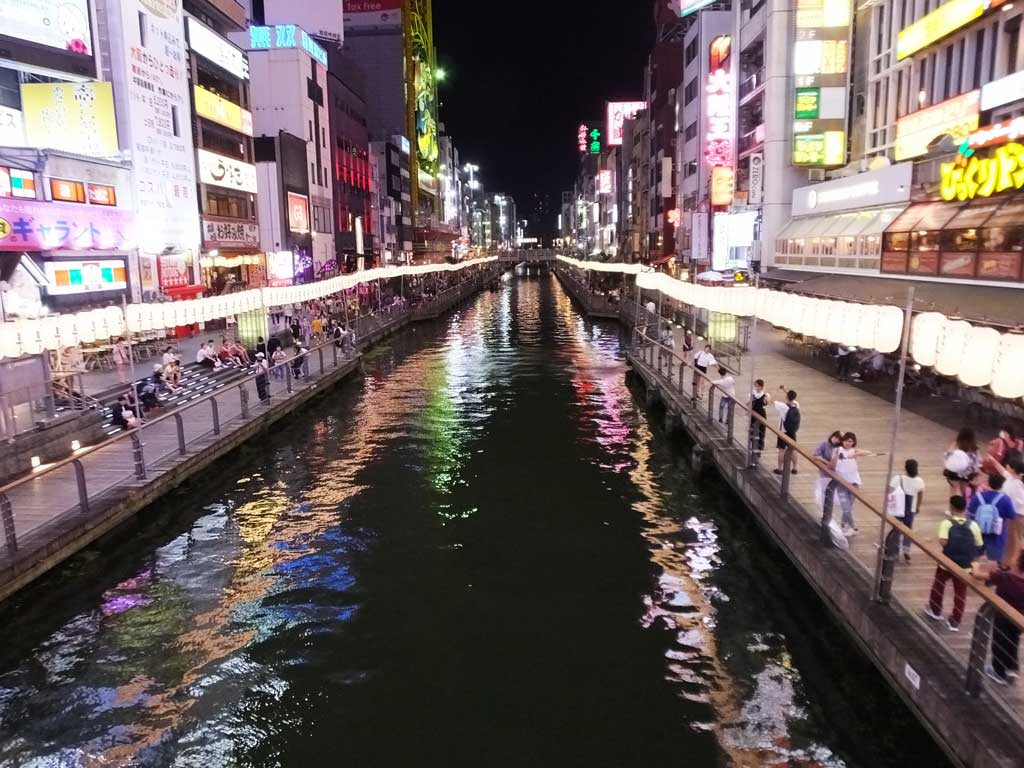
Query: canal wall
pixel 974 732
pixel 48 546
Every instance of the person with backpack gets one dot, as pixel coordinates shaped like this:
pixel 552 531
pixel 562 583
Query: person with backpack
pixel 789 422
pixel 994 512
pixel 910 486
pixel 961 542
pixel 1002 450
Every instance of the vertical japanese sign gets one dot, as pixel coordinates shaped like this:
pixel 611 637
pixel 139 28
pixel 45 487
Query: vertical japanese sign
pixel 152 93
pixel 821 74
pixel 719 144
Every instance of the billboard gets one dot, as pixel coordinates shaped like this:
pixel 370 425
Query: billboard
pixel 298 213
pixel 71 117
pixel 152 91
pixel 373 14
pixel 821 69
pixel 35 225
pixel 957 116
pixel 60 24
pixel 227 172
pixel 214 107
pixel 618 113
pixel 216 50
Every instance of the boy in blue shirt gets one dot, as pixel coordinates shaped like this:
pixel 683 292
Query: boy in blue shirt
pixel 993 512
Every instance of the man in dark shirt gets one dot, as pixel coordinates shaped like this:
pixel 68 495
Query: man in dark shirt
pixel 1009 585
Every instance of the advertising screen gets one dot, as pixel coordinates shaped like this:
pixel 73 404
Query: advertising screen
pixel 71 277
pixel 73 117
pixel 363 14
pixel 298 213
pixel 618 113
pixel 60 24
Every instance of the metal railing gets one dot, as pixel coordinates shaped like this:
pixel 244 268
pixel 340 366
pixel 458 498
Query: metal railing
pixel 25 409
pixel 996 622
pixel 601 304
pixel 127 460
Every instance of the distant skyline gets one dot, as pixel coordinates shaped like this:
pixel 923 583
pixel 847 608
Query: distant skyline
pixel 519 83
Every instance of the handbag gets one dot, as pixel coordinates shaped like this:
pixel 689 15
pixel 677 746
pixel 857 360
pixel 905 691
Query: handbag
pixel 896 501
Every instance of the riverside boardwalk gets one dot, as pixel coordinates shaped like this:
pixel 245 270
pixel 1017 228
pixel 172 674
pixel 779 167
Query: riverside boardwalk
pixel 931 667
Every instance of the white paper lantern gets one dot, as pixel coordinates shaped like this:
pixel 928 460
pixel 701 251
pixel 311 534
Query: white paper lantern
pixel 115 320
pixel 850 329
pixel 867 323
pixel 28 331
pixel 888 328
pixel 926 331
pixel 99 322
pixel 10 343
pixel 980 356
pixel 836 325
pixel 68 330
pixel 822 317
pixel 85 327
pixel 950 352
pixel 49 332
pixel 1008 369
pixel 158 315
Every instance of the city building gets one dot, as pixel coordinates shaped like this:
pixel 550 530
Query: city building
pixel 291 101
pixel 355 223
pixel 222 130
pixel 395 199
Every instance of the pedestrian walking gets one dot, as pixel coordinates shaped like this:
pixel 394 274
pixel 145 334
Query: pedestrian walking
pixel 961 542
pixel 994 513
pixel 1013 474
pixel 1009 585
pixel 789 425
pixel 262 377
pixel 1002 450
pixel 702 363
pixel 849 471
pixel 962 463
pixel 825 457
pixel 911 486
pixel 727 384
pixel 759 399
pixel 122 359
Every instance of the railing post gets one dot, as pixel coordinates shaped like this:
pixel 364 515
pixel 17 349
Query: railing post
pixel 320 354
pixel 752 435
pixel 8 519
pixel 215 413
pixel 180 424
pixel 711 404
pixel 137 455
pixel 889 557
pixel 730 418
pixel 288 377
pixel 334 353
pixel 682 371
pixel 83 493
pixel 787 470
pixel 243 396
pixel 981 640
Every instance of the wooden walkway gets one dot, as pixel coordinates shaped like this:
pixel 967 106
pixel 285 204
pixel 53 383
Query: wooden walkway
pixel 827 405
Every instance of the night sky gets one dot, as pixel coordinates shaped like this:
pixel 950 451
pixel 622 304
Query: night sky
pixel 519 83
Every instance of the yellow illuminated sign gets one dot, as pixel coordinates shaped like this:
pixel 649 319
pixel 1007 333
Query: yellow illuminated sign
pixel 957 116
pixel 222 111
pixel 947 18
pixel 822 14
pixel 723 185
pixel 984 176
pixel 73 117
pixel 828 148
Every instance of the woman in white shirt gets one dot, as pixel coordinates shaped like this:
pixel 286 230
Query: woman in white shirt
pixel 912 486
pixel 847 469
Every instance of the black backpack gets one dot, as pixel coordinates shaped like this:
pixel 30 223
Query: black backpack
pixel 791 422
pixel 960 546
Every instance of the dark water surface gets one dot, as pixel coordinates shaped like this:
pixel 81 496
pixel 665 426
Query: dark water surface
pixel 480 554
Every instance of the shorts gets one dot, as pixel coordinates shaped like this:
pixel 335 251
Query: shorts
pixel 953 477
pixel 781 444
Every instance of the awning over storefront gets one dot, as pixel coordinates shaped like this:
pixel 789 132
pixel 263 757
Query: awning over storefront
pixel 975 303
pixel 871 221
pixel 937 215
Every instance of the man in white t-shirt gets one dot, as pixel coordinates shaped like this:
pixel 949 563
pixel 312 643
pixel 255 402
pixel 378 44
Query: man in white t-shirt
pixel 912 486
pixel 1013 471
pixel 703 362
pixel 727 384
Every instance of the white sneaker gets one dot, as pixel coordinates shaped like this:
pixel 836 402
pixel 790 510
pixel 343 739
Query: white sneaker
pixel 931 614
pixel 991 674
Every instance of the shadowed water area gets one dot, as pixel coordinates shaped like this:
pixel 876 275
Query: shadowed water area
pixel 481 553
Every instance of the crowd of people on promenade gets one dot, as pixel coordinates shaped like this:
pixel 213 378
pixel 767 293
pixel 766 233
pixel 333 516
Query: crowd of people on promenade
pixel 981 532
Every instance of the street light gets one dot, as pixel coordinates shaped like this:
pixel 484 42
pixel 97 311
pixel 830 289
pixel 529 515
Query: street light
pixel 440 74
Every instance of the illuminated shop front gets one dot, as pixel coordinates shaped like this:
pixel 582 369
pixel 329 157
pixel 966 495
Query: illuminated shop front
pixel 976 230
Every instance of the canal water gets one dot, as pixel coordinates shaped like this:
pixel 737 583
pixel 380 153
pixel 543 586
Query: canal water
pixel 481 553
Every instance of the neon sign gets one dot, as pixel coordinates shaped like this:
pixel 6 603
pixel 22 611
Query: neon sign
pixel 285 36
pixel 618 113
pixel 957 116
pixel 718 145
pixel 945 19
pixel 966 178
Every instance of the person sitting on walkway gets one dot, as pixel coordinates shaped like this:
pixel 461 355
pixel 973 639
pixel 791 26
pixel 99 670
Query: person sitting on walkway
pixel 225 357
pixel 205 355
pixel 123 415
pixel 172 375
pixel 961 542
pixel 239 352
pixel 789 424
pixel 1009 585
pixel 994 513
pixel 168 356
